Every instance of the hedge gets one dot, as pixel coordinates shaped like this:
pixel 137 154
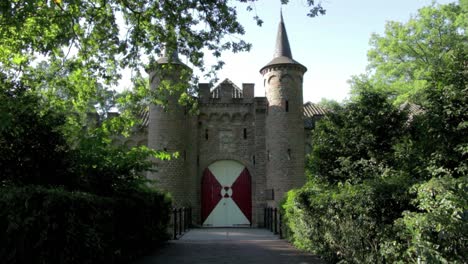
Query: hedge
pixel 388 220
pixel 41 225
pixel 346 223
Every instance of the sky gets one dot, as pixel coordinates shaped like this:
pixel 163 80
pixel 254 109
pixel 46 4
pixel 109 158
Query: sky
pixel 333 47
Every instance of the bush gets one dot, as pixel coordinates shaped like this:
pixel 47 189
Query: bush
pixel 32 148
pixel 346 222
pixel 39 225
pixel 438 231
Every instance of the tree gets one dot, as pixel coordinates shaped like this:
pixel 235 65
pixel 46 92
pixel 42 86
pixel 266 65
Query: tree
pixel 420 53
pixel 108 35
pixel 32 148
pixel 357 138
pixel 383 188
pixel 72 52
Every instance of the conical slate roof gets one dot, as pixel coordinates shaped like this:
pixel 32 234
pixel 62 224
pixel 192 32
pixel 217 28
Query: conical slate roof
pixel 282 48
pixel 283 54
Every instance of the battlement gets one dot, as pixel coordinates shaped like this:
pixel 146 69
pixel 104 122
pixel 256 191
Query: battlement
pixel 226 92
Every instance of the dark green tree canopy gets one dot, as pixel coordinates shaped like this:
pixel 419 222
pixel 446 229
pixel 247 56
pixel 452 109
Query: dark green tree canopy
pixel 355 137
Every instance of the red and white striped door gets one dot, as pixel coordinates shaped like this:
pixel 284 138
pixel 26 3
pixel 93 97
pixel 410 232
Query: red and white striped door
pixel 226 194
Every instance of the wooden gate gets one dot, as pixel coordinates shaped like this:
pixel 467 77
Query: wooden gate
pixel 226 195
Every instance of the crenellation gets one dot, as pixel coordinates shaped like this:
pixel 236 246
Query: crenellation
pixel 263 135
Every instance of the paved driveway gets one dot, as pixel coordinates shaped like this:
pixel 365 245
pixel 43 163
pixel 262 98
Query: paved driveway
pixel 229 245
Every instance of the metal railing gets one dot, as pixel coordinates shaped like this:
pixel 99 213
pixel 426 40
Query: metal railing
pixel 273 220
pixel 181 221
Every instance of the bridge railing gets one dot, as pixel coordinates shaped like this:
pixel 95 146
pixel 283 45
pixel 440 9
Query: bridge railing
pixel 273 220
pixel 181 221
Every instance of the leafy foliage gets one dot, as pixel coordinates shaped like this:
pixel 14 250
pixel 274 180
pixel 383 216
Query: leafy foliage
pixel 413 56
pixel 35 222
pixel 104 36
pixel 387 186
pixel 436 232
pixel 32 147
pixel 59 61
pixel 346 222
pixel 356 141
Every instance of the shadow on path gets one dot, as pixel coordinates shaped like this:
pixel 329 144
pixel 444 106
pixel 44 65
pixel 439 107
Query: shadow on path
pixel 229 245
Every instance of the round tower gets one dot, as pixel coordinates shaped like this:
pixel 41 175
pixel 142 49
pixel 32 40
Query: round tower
pixel 284 127
pixel 167 126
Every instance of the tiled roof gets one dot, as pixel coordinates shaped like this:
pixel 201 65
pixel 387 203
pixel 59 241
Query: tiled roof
pixel 312 113
pixel 312 110
pixel 413 110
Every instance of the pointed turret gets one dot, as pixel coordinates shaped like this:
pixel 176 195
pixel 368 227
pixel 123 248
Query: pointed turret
pixel 283 54
pixel 284 125
pixel 282 48
pixel 170 58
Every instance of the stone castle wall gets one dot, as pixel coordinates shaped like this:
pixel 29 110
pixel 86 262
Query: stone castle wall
pixel 232 129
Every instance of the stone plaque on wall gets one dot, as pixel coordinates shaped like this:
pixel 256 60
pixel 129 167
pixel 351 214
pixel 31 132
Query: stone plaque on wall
pixel 226 141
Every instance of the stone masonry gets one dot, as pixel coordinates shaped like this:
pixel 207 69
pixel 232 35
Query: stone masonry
pixel 265 134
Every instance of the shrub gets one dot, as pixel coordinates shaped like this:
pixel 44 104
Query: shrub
pixel 438 231
pixel 32 148
pixel 346 222
pixel 39 225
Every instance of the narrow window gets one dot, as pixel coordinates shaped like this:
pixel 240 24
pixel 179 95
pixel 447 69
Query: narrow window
pixel 198 160
pixel 289 154
pixel 206 134
pixel 287 106
pixel 245 133
pixel 165 149
pixel 253 160
pixel 185 155
pixel 268 155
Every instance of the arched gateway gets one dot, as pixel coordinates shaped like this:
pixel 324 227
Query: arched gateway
pixel 226 195
pixel 265 134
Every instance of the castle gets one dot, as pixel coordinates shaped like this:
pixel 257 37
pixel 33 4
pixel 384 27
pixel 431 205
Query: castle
pixel 241 153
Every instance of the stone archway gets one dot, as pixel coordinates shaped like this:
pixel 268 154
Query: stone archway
pixel 226 195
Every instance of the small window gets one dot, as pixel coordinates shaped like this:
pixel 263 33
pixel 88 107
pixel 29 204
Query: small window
pixel 289 154
pixel 287 106
pixel 206 134
pixel 198 160
pixel 269 194
pixel 245 133
pixel 165 149
pixel 268 155
pixel 253 160
pixel 185 155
